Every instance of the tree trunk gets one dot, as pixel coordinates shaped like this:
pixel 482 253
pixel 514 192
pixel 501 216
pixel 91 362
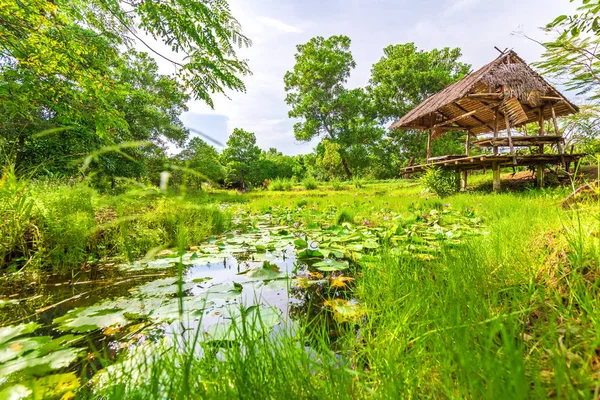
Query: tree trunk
pixel 345 164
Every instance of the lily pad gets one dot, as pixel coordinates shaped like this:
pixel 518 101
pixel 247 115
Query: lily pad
pixel 331 265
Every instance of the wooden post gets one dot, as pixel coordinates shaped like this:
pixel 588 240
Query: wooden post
pixel 559 145
pixel 496 172
pixel 458 180
pixel 509 134
pixel 496 129
pixel 468 144
pixel 539 169
pixel 463 181
pixel 539 174
pixel 429 134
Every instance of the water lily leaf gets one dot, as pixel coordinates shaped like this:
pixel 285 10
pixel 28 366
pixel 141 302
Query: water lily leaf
pixel 370 244
pixel 47 387
pixel 9 332
pixel 331 265
pixel 308 253
pixel 340 281
pixel 86 319
pixel 300 244
pixel 21 346
pixel 39 363
pixel 344 310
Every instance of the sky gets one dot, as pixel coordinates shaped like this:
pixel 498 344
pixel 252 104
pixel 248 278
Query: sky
pixel 277 26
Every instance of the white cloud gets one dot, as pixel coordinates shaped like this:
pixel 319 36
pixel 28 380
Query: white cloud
pixel 279 25
pixel 460 5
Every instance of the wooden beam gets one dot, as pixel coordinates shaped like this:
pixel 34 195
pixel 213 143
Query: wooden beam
pixel 450 121
pixel 474 117
pixel 551 98
pixel 492 95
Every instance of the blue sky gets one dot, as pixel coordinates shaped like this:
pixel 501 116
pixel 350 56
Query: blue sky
pixel 277 26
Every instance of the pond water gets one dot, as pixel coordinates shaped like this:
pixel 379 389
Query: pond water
pixel 53 331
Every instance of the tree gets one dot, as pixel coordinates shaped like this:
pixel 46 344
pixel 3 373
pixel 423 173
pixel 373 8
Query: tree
pixel 62 65
pixel 240 157
pixel 204 159
pixel 331 157
pixel 573 55
pixel 406 76
pixel 403 78
pixel 316 93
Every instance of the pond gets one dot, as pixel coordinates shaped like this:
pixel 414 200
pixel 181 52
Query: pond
pixel 268 276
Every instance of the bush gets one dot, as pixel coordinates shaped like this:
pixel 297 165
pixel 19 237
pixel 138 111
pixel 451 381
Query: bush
pixel 281 185
pixel 309 183
pixel 358 183
pixel 345 215
pixel 337 184
pixel 439 181
pixel 301 203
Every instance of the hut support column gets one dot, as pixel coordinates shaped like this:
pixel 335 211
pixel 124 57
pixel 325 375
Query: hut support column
pixel 496 120
pixel 509 134
pixel 463 181
pixel 559 146
pixel 496 171
pixel 539 169
pixel 468 144
pixel 429 133
pixel 458 180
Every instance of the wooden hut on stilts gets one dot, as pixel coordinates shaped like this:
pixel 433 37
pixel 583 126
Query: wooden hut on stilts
pixel 492 103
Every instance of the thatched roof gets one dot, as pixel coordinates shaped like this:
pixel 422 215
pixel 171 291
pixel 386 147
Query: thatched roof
pixel 507 83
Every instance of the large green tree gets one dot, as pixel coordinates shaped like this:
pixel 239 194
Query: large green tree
pixel 404 77
pixel 204 159
pixel 62 65
pixel 317 96
pixel 241 157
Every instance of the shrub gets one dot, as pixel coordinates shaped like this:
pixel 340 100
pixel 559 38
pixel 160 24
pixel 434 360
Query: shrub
pixel 301 203
pixel 309 183
pixel 345 215
pixel 337 184
pixel 440 181
pixel 358 183
pixel 281 185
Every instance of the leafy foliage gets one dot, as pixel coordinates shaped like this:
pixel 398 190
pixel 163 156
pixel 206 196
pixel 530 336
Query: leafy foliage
pixel 316 93
pixel 439 181
pixel 406 76
pixel 573 54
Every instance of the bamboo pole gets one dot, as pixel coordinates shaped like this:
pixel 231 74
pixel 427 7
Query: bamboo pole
pixel 468 144
pixel 559 145
pixel 509 134
pixel 496 173
pixel 429 134
pixel 539 169
pixel 497 109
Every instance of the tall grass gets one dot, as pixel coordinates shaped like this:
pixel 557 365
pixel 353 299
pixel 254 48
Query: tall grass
pixel 61 226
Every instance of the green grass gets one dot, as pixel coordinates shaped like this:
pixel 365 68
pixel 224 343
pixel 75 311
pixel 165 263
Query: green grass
pixel 512 313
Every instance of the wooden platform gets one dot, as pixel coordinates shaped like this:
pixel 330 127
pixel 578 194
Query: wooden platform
pixel 519 141
pixel 503 160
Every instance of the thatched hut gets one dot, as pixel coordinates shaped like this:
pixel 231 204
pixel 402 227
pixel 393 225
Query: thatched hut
pixel 502 96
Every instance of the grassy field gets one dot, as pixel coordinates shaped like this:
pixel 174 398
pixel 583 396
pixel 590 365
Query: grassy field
pixel 511 313
pixel 509 309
